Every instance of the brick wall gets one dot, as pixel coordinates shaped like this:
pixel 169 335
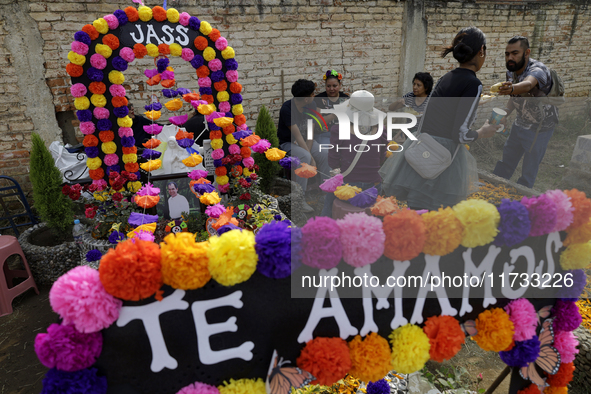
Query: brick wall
pixel 302 39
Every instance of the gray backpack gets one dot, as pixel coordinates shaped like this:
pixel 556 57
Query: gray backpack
pixel 556 94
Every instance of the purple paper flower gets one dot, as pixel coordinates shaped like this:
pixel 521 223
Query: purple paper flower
pixel 238 135
pixel 185 142
pixel 514 226
pixel 116 237
pixel 379 387
pixel 273 246
pixel 231 64
pixel 235 98
pixel 82 37
pixel 121 112
pixel 365 199
pixel 91 151
pixel 93 255
pixel 153 107
pixel 217 76
pixel 84 115
pixel 149 154
pixel 197 61
pixel 137 219
pixel 84 381
pixel 212 126
pixel 296 248
pixel 228 227
pixel 205 91
pixel 94 74
pixel 579 279
pixel 161 64
pixel 119 64
pixel 217 163
pixel 183 91
pixel 170 93
pixel 104 124
pixel 194 23
pixel 542 214
pixel 566 316
pixel 204 188
pixel 114 168
pixel 127 142
pixel 289 162
pixel 121 17
pixel 522 353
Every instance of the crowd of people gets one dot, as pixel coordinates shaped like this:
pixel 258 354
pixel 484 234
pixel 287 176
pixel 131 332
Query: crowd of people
pixel 446 112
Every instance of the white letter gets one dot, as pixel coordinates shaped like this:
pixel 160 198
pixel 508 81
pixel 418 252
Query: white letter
pixel 328 147
pixel 402 126
pixel 310 134
pixel 152 34
pixel 205 330
pixel 149 315
pixel 530 257
pixel 335 311
pixel 431 269
pixel 367 137
pixel 553 238
pixel 344 128
pixel 470 269
pixel 168 31
pixel 138 40
pixel 183 39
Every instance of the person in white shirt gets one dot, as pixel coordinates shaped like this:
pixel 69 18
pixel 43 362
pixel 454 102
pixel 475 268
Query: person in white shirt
pixel 177 204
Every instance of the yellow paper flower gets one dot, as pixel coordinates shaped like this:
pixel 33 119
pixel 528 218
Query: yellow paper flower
pixel 346 192
pixel 495 330
pixel 149 227
pixel 134 186
pixel 98 100
pixel 223 122
pixel 175 49
pixel 217 143
pixel 576 256
pixel 116 77
pixel 210 198
pixel 578 235
pixel 237 109
pixel 169 68
pixel 104 50
pixel 129 158
pixel 151 165
pixel 101 196
pixel 411 348
pixel 124 122
pixel 232 258
pixel 443 231
pixel 223 96
pixel 153 115
pixel 101 25
pixel 223 180
pixel 174 104
pixel 274 154
pixel 370 357
pixel 245 172
pixel 208 53
pixel 228 53
pixel 205 28
pixel 94 163
pixel 193 160
pixel 230 139
pixel 206 109
pixel 76 58
pixel 480 220
pixel 145 13
pixel 184 261
pixel 243 386
pixel 109 148
pixel 152 50
pixel 173 17
pixel 81 103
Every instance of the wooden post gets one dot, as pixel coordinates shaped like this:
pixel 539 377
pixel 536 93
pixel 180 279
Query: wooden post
pixel 498 380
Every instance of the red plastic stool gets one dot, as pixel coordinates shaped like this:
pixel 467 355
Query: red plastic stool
pixel 9 246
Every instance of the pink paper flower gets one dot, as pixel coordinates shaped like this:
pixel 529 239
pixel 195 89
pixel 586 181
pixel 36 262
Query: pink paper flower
pixel 197 103
pixel 100 184
pixel 112 21
pixel 87 128
pixel 214 115
pixel 261 146
pixel 564 209
pixel 98 61
pixel 184 18
pixel 330 185
pixel 566 343
pixel 524 317
pixel 214 211
pixel 242 126
pixel 178 120
pixel 225 106
pixel 101 113
pixel 148 190
pixel 215 65
pixel 111 159
pixel 79 47
pixel 204 82
pixel 248 162
pixel 221 43
pixel 224 188
pixel 234 149
pixel 197 174
pixel 78 90
pixel 199 388
pixel 362 238
pixel 127 54
pixel 125 132
pixel 144 235
pixel 187 54
pixel 217 154
pixel 153 129
pixel 117 90
pixel 232 75
pixel 167 75
pixel 150 73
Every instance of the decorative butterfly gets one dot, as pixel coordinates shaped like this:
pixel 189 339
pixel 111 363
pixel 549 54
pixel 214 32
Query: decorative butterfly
pixel 281 379
pixel 469 328
pixel 548 359
pixel 544 312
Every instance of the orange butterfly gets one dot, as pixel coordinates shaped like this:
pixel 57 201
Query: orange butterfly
pixel 281 379
pixel 548 359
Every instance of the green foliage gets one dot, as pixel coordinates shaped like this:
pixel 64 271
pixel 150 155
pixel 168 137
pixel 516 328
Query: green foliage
pixel 195 221
pixel 451 378
pixel 265 128
pixel 54 208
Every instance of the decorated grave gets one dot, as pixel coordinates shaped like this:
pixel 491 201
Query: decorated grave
pixel 237 312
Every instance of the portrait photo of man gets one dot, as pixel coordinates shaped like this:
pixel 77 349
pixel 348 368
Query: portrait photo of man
pixel 177 203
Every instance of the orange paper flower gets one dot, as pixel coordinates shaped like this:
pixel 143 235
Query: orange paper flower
pixel 582 207
pixel 146 201
pixel 139 50
pixel 111 41
pixel 326 358
pixel 306 171
pixel 106 136
pixel 168 83
pixel 495 330
pixel 384 206
pixel 129 150
pixel 74 70
pixel 221 171
pixel 370 357
pixel 164 49
pixel 250 140
pixel 97 87
pixel 119 101
pixel 99 173
pixel 132 167
pixel 159 13
pixel 132 14
pixel 191 97
pixel 214 35
pixel 220 86
pixel 200 43
pixel 208 98
pixel 91 31
pixel 445 337
pixel 152 143
pixel 155 80
pixel 215 135
pixel 405 235
pixel 245 152
pixel 90 140
pixel 235 87
pixel 240 119
pixel 202 72
pixel 229 129
pixel 225 218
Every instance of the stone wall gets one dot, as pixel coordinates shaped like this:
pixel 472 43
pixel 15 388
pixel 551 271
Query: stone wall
pixel 377 45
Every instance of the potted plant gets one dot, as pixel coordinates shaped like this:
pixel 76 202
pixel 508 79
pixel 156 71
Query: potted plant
pixel 265 128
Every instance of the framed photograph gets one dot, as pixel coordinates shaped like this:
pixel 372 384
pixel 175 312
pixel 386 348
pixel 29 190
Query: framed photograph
pixel 176 197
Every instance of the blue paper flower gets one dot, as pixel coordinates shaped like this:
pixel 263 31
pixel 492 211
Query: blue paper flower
pixel 93 255
pixel 116 237
pixel 83 37
pixel 84 381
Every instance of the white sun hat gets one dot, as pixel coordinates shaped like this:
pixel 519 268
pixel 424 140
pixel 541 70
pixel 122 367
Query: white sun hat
pixel 362 103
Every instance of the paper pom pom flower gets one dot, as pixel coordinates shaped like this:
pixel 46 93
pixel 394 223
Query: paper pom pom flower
pixel 321 243
pixel 566 315
pixel 365 198
pixel 84 381
pixel 495 330
pixel 210 198
pixel 197 174
pixel 193 160
pixel 514 225
pixel 263 145
pixel 273 246
pixel 362 239
pixel 411 346
pixel 576 256
pixel 325 358
pixel 232 257
pixel 80 299
pixel 215 211
pixel 380 386
pixel 564 209
pixel 578 235
pixel 405 235
pixel 178 120
pixel 563 377
pixel 524 317
pixel 445 337
pixel 345 192
pixel 151 165
pixel 243 386
pixel 542 214
pixel 174 105
pixel 480 220
pixel 131 271
pixel 330 185
pixel 522 353
pixel 443 232
pixel 184 262
pixel 66 349
pixel 531 389
pixel 384 206
pixel 579 278
pixel 582 208
pixel 566 343
pixel 370 357
pixel 198 388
